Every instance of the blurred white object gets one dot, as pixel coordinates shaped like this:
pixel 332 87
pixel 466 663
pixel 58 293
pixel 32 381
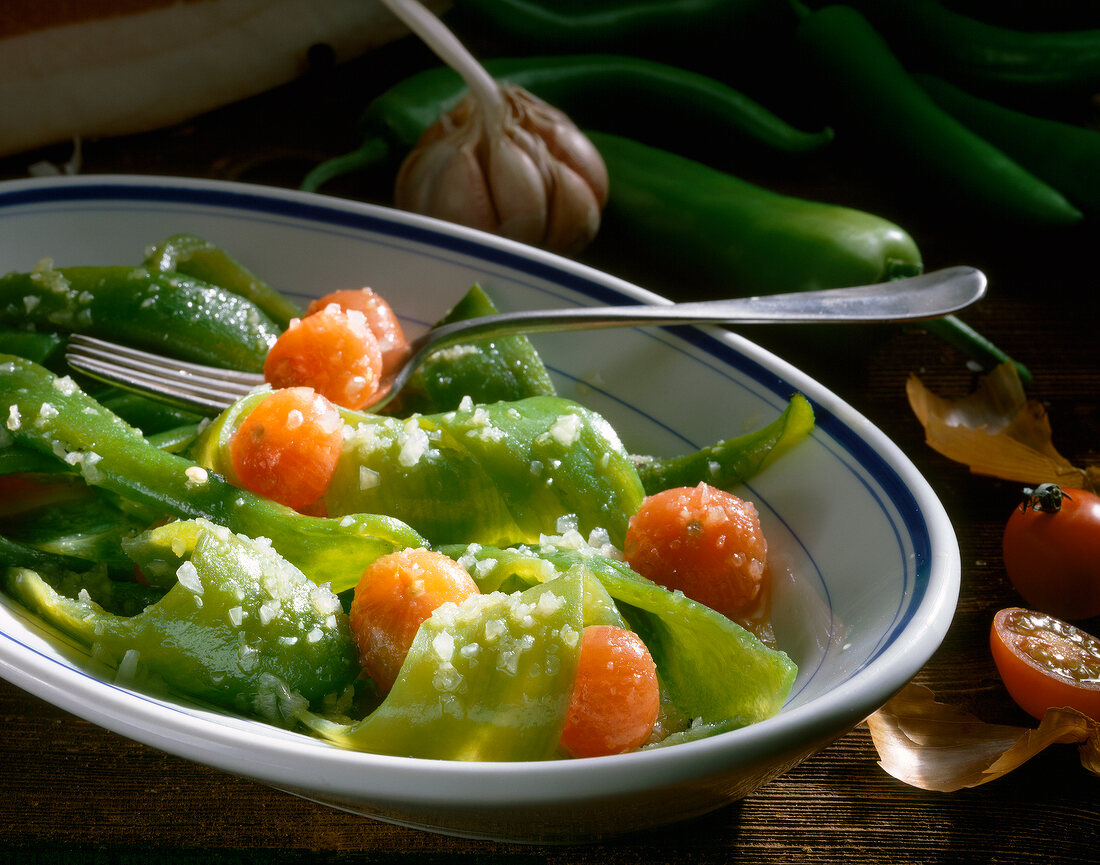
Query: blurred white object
pixel 100 74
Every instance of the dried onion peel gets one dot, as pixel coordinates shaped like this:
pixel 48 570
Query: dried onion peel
pixel 935 746
pixel 997 432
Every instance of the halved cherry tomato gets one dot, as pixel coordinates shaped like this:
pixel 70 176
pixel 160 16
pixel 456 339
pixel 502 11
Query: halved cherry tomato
pixel 1051 551
pixel 396 593
pixel 616 697
pixel 381 319
pixel 288 446
pixel 332 351
pixel 1045 662
pixel 703 541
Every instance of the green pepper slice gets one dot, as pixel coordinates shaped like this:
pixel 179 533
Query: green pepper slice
pixel 710 667
pixel 193 256
pixel 497 474
pixel 55 418
pixel 164 312
pixel 505 368
pixel 241 628
pixel 729 463
pixel 488 679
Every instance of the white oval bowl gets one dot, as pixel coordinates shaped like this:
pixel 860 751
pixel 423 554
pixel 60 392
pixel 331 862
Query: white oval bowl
pixel 866 561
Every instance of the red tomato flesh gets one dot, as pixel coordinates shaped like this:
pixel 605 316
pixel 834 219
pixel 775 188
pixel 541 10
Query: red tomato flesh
pixel 1045 662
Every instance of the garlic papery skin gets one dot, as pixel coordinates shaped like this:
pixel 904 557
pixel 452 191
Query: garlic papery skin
pixel 519 168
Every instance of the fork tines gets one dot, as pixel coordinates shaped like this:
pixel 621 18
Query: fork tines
pixel 181 382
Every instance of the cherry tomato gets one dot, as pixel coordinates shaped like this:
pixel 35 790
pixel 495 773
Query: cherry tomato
pixel 1045 662
pixel 1052 551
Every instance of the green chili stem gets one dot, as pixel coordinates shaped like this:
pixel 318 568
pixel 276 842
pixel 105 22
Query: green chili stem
pixel 373 150
pixel 978 348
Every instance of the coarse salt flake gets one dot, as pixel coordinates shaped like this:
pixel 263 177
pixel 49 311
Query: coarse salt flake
pixel 368 478
pixel 444 645
pixel 566 429
pixel 65 384
pixel 188 576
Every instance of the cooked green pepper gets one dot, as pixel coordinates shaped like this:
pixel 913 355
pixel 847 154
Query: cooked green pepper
pixel 729 463
pixel 498 474
pixel 877 102
pixel 241 627
pixel 641 98
pixel 80 525
pixel 42 347
pixel 505 368
pixel 166 312
pixel 711 668
pixel 201 259
pixel 57 419
pixel 1065 156
pixel 489 679
pixel 689 221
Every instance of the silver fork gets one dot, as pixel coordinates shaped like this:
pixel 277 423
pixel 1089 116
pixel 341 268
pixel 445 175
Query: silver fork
pixel 930 295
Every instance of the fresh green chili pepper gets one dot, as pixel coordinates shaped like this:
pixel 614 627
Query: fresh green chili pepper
pixel 876 100
pixel 630 95
pixel 1065 156
pixel 166 312
pixel 593 22
pixel 689 221
pixel 686 221
pixel 57 419
pixel 933 38
pixel 241 627
pixel 201 259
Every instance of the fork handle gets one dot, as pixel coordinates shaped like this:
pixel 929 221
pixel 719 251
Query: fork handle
pixel 930 295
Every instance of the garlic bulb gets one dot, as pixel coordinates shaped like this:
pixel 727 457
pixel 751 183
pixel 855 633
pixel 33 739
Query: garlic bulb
pixel 527 173
pixel 502 160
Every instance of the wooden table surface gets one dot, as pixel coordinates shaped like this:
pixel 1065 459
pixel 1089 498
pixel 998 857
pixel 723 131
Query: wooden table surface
pixel 72 792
